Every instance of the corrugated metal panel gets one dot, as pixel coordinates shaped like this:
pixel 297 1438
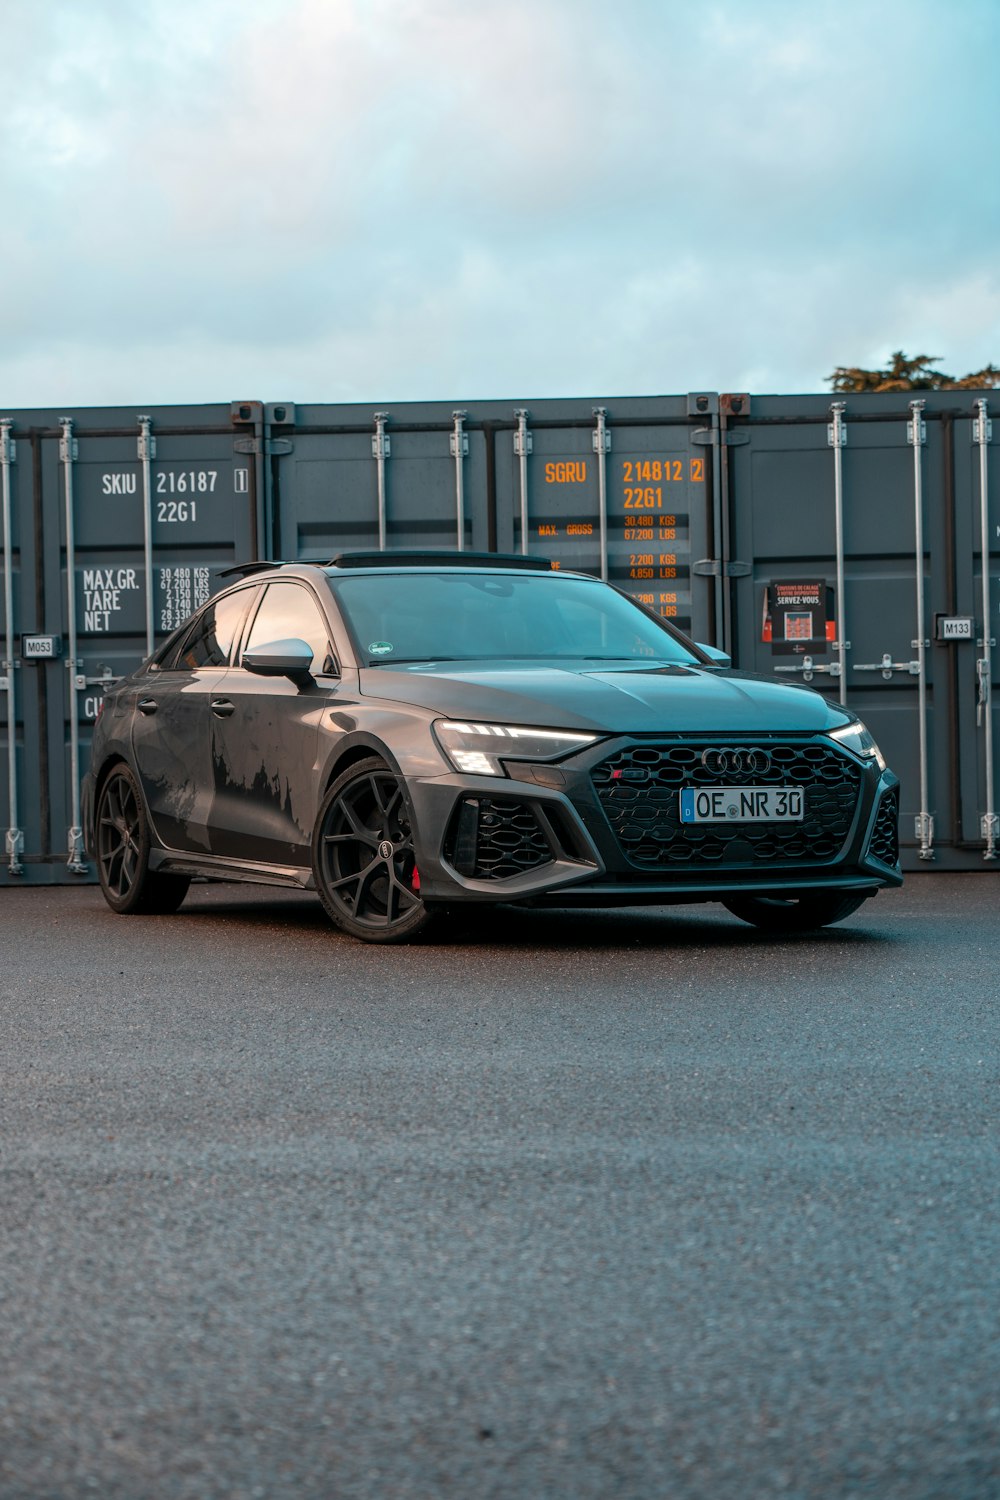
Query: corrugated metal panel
pixel 87 488
pixel 710 510
pixel 622 489
pixel 894 477
pixel 343 477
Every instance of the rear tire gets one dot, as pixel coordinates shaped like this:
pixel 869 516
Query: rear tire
pixel 362 857
pixel 795 913
pixel 123 842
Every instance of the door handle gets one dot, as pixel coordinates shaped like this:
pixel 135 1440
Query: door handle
pixel 222 708
pixel 146 705
pixel 887 666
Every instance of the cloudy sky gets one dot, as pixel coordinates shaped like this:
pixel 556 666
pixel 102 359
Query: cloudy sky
pixel 388 200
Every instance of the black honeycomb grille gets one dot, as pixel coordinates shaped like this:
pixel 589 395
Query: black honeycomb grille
pixel 884 843
pixel 639 791
pixel 509 840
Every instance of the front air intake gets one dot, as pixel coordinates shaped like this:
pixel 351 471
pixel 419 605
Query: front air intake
pixel 495 838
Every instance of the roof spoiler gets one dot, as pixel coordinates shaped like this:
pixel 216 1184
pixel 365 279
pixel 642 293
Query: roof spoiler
pixel 244 570
pixel 429 558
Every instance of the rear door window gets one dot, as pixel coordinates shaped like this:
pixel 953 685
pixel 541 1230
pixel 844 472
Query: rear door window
pixel 210 640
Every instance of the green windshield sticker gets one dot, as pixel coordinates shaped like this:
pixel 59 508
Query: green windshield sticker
pixel 381 648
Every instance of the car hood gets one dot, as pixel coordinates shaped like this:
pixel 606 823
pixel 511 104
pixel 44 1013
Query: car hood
pixel 618 699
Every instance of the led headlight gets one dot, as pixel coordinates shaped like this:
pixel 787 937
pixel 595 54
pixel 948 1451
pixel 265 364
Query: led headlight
pixel 859 739
pixel 479 748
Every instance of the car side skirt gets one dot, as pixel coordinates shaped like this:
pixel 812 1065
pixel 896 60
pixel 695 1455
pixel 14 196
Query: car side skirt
pixel 214 867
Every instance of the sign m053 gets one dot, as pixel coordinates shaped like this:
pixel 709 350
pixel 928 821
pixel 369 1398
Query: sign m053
pixel 41 647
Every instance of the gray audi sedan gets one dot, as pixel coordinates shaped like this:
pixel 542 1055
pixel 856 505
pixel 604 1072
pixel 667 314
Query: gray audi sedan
pixel 404 733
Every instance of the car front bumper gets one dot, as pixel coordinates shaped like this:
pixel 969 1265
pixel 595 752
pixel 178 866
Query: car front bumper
pixel 555 834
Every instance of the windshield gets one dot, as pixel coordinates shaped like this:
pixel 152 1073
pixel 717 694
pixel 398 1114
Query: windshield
pixel 452 616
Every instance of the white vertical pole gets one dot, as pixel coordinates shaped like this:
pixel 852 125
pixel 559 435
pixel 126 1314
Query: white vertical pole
pixel 522 447
pixel 380 452
pixel 917 434
pixel 459 448
pixel 147 452
pixel 601 439
pixel 67 453
pixel 984 667
pixel 15 838
pixel 837 436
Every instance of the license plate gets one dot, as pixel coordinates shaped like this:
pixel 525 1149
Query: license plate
pixel 742 804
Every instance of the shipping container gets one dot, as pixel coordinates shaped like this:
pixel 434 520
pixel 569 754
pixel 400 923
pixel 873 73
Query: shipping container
pixel 851 544
pixel 116 525
pixel 865 540
pixel 622 489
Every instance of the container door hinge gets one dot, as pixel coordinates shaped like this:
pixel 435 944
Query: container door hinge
pixel 74 848
pixel 15 848
pixel 990 830
pixel 923 828
pixel 381 442
pixel 458 439
pixel 836 432
pixel 600 438
pixel 714 567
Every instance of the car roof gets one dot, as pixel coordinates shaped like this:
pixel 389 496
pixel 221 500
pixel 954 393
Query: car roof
pixel 415 568
pixel 401 560
pixel 380 563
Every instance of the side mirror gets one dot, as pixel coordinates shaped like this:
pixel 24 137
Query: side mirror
pixel 718 658
pixel 292 658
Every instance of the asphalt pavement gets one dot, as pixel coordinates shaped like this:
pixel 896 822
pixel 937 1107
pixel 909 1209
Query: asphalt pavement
pixel 618 1204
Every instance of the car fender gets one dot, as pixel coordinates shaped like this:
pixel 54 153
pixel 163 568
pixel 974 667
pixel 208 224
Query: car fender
pixel 371 729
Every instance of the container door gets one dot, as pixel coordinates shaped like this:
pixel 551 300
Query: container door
pixel 346 478
pixel 31 650
pixel 120 526
pixel 622 490
pixel 857 534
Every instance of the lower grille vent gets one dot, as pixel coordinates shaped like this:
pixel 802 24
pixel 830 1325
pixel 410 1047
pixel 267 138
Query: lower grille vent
pixel 884 843
pixel 493 838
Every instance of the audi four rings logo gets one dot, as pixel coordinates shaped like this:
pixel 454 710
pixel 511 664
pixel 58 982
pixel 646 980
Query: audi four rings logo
pixel 736 762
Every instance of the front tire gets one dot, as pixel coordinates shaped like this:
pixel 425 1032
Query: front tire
pixel 123 843
pixel 795 913
pixel 363 860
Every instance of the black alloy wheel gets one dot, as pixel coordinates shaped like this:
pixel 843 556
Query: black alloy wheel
pixel 363 859
pixel 795 913
pixel 123 845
